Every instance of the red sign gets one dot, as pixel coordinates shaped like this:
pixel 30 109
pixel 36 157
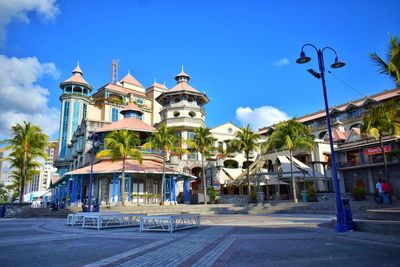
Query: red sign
pixel 376 150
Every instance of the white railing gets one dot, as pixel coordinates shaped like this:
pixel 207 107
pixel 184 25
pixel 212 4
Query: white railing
pixel 169 223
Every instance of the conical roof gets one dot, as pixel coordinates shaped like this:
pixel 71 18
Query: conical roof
pixel 76 78
pixel 182 76
pixel 131 80
pixel 131 107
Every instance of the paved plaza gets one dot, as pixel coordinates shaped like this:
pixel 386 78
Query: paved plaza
pixel 223 240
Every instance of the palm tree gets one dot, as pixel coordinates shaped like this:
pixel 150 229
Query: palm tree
pixel 290 135
pixel 27 143
pixel 163 139
pixel 202 142
pixel 246 141
pixel 380 120
pixel 390 68
pixel 121 145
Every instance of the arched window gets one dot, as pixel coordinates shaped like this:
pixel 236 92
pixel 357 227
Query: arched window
pixel 322 135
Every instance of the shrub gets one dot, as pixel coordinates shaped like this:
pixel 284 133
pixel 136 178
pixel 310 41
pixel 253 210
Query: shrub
pixel 212 193
pixel 358 193
pixel 312 194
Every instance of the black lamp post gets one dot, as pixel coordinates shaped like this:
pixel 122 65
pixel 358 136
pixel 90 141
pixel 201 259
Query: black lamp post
pixel 341 225
pixel 93 137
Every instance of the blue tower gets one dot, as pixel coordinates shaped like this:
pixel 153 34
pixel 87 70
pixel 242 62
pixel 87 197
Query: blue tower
pixel 75 100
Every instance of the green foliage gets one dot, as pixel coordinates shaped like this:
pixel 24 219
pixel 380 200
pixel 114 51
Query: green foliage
pixel 246 141
pixel 290 135
pixel 390 67
pixel 121 145
pixel 202 142
pixel 312 194
pixel 164 139
pixel 3 193
pixel 380 120
pixel 212 193
pixel 26 144
pixel 253 194
pixel 358 193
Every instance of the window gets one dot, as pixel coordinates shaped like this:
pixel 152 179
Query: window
pixel 190 135
pixel 355 113
pixel 140 101
pixel 114 114
pixel 64 130
pixel 230 130
pixel 192 114
pixel 322 135
pixel 84 111
pixel 75 116
pixel 176 114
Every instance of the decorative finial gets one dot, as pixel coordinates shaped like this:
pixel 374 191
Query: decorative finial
pixel 129 71
pixel 155 81
pixel 182 68
pixel 78 63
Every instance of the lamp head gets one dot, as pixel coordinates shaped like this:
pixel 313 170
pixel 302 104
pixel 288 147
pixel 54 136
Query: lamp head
pixel 337 64
pixel 314 73
pixel 303 58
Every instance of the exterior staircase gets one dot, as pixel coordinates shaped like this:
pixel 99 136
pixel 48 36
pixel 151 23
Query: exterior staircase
pixel 41 213
pixel 359 209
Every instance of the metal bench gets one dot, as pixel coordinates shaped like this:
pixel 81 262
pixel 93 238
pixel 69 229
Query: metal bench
pixel 77 218
pixel 169 223
pixel 100 221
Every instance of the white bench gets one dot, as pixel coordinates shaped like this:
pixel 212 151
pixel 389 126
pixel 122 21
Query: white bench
pixel 77 218
pixel 100 221
pixel 169 223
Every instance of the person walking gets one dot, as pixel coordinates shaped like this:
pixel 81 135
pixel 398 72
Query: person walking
pixel 386 191
pixel 378 186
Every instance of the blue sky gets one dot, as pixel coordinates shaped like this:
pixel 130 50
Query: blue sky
pixel 241 53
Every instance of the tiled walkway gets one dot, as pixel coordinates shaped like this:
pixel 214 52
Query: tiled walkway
pixel 228 240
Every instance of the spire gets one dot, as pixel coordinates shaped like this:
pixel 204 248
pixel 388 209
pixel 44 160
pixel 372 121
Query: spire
pixel 77 69
pixel 182 76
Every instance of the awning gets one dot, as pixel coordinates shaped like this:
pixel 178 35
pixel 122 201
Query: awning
pixel 285 164
pixel 232 173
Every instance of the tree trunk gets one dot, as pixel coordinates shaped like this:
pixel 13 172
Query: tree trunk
pixel 163 179
pixel 122 186
pixel 248 177
pixel 383 154
pixel 23 178
pixel 204 179
pixel 293 181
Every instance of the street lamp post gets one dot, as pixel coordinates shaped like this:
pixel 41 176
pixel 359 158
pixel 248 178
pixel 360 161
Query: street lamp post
pixel 341 225
pixel 93 137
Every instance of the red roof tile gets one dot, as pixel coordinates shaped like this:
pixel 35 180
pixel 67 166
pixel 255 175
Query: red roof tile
pixel 387 94
pixel 76 78
pixel 131 123
pixel 131 80
pixel 121 89
pixel 131 166
pixel 131 106
pixel 183 86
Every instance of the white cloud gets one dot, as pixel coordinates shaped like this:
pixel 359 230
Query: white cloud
pixel 19 9
pixel 281 62
pixel 260 117
pixel 21 98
